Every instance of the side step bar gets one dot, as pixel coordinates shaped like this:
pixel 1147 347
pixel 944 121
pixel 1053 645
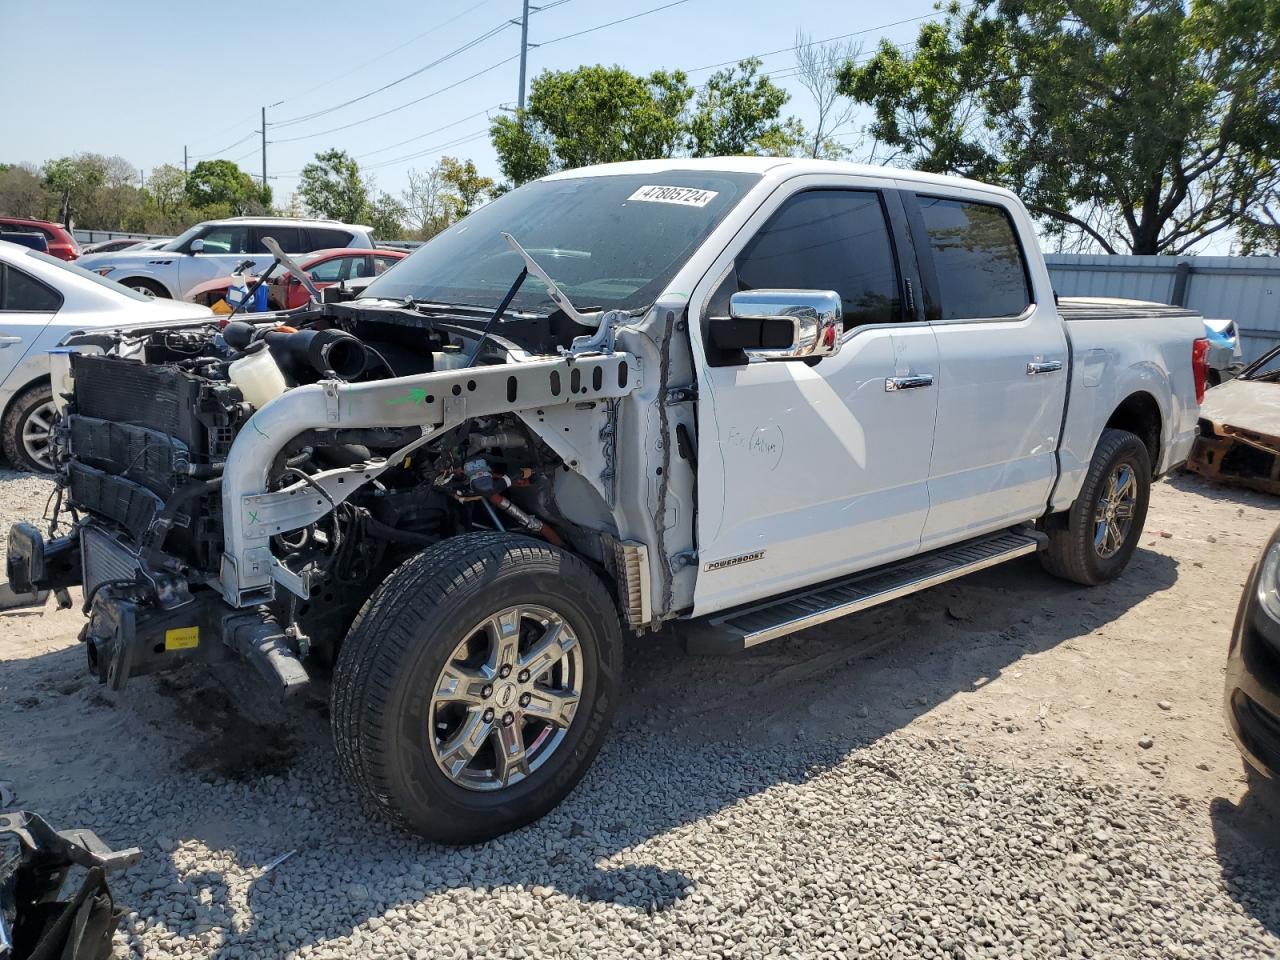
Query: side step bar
pixel 749 625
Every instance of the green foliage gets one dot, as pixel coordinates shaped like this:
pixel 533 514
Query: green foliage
pixel 386 215
pixel 22 193
pixel 594 114
pixel 220 184
pixel 71 181
pixel 1144 126
pixel 736 112
pixel 598 114
pixel 464 188
pixel 332 187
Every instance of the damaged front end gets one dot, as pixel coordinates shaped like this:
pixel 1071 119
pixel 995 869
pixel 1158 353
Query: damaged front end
pixel 203 526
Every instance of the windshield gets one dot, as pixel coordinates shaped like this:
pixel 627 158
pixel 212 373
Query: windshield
pixel 611 242
pixel 180 241
pixel 90 275
pixel 1266 367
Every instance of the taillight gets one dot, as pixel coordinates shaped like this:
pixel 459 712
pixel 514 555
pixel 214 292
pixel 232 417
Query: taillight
pixel 1200 366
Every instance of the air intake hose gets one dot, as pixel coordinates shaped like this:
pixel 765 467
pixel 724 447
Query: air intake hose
pixel 309 352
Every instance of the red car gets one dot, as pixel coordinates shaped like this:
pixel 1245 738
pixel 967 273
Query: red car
pixel 327 267
pixel 61 243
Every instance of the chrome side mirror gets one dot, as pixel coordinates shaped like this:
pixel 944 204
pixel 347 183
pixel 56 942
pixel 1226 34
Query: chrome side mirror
pixel 795 324
pixel 196 245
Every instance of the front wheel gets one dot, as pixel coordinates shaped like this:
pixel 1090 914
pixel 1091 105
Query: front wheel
pixel 28 429
pixel 476 686
pixel 1095 539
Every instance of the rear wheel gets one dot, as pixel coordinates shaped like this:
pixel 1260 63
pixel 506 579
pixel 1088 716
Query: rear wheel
pixel 1096 538
pixel 26 429
pixel 476 686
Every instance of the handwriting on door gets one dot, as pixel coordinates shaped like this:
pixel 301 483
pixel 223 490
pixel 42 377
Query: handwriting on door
pixel 762 442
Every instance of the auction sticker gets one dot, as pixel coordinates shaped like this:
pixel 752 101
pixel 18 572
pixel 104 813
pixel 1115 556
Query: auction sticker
pixel 683 196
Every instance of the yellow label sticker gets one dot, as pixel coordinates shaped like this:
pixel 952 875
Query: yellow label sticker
pixel 182 638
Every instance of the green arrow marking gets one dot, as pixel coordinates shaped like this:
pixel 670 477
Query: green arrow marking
pixel 413 396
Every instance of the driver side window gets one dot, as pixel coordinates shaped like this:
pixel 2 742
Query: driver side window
pixel 828 240
pixel 226 239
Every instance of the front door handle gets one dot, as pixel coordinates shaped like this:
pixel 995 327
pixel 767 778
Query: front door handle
pixel 1043 366
pixel 913 382
pixel 6 341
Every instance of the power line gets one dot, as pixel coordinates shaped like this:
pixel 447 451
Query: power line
pixel 478 73
pixel 458 51
pixel 429 133
pixel 814 43
pixel 386 53
pixel 229 146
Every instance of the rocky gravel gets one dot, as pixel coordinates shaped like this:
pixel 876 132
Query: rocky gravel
pixel 964 774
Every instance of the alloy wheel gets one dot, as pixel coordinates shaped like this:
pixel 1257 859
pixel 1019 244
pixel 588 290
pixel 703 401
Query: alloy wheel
pixel 506 698
pixel 36 434
pixel 1113 516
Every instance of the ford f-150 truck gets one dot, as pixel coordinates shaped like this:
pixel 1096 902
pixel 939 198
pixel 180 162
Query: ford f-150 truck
pixel 748 395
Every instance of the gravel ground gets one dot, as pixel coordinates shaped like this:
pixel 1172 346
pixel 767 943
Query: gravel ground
pixel 958 774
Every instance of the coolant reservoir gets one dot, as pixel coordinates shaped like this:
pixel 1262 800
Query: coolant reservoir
pixel 257 375
pixel 450 358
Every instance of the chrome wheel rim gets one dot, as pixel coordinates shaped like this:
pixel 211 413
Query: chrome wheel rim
pixel 506 698
pixel 37 432
pixel 144 290
pixel 1114 515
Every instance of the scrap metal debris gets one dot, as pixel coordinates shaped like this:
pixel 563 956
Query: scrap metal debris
pixel 1239 440
pixel 35 862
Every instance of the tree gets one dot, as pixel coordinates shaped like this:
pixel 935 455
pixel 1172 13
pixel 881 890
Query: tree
pixel 220 183
pixel 72 181
pixel 464 187
pixel 425 209
pixel 167 188
pixel 1145 125
pixel 736 110
pixel 22 193
pixel 386 215
pixel 817 70
pixel 593 114
pixel 331 186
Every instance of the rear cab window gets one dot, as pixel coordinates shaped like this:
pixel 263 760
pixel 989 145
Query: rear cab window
pixel 978 261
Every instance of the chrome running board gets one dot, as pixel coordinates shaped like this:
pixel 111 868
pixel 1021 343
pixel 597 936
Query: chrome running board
pixel 755 623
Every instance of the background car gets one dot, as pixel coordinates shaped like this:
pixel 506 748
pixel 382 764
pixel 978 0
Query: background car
pixel 124 243
pixel 212 249
pixel 33 241
pixel 42 299
pixel 327 267
pixel 1253 668
pixel 61 243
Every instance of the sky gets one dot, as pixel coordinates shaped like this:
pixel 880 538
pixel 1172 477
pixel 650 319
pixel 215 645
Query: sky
pixel 144 78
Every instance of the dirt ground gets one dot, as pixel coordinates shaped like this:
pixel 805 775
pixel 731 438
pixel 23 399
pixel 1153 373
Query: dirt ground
pixel 1010 665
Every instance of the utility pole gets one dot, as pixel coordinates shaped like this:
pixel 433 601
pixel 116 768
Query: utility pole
pixel 524 49
pixel 264 147
pixel 184 159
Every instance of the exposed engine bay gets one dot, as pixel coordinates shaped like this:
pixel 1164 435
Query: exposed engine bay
pixel 253 483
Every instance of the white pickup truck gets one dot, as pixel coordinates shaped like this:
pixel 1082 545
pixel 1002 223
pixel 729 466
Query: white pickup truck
pixel 742 395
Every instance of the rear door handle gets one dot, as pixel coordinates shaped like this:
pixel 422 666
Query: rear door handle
pixel 6 341
pixel 1035 367
pixel 913 382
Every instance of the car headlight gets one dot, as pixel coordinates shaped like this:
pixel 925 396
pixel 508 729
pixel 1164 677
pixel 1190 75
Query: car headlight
pixel 1269 580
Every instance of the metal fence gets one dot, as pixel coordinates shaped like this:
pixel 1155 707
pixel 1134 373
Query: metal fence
pixel 1243 289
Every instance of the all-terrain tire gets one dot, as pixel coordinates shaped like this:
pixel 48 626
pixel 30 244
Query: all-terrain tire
pixel 1071 553
pixel 35 400
pixel 390 662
